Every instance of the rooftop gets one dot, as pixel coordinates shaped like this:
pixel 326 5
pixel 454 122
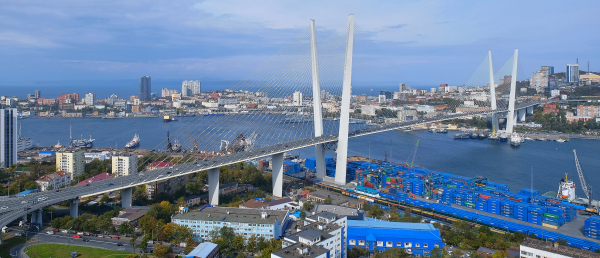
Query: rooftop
pixel 202 250
pixel 253 204
pixel 300 250
pixel 95 178
pixel 336 199
pixel 390 225
pixel 385 229
pixel 228 185
pixel 339 210
pixel 227 214
pixel 280 201
pixel 559 249
pixel 53 176
pixel 309 233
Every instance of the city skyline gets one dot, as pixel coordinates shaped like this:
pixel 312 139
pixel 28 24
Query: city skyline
pixel 213 40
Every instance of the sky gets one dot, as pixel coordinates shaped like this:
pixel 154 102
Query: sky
pixel 431 42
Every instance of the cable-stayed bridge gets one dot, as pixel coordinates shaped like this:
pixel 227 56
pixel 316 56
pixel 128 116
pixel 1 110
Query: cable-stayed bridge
pixel 318 113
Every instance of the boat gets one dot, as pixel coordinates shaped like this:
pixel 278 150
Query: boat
pixel 528 138
pixel 515 139
pixel 474 135
pixel 81 143
pixel 560 140
pixel 443 131
pixel 482 136
pixel 168 118
pixel 566 189
pixel 133 143
pixel 503 137
pixel 465 135
pixel 407 129
pixel 58 145
pixel 458 136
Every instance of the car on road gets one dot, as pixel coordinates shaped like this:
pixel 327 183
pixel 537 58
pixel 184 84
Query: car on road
pixel 110 184
pixel 50 232
pixel 57 190
pixel 119 244
pixel 76 236
pixel 80 233
pixel 3 207
pixel 116 237
pixel 101 236
pixel 55 230
pixel 23 202
pixel 64 231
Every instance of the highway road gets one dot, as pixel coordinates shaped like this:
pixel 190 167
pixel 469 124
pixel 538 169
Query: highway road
pixel 19 206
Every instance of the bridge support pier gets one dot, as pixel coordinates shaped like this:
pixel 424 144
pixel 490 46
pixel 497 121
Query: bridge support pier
pixel 521 115
pixel 33 217
pixel 213 186
pixel 317 108
pixel 126 197
pixel 530 110
pixel 74 208
pixel 342 150
pixel 39 218
pixel 277 160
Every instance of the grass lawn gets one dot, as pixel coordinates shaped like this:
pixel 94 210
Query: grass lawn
pixel 8 242
pixel 58 250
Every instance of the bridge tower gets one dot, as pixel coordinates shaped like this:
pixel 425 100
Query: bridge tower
pixel 510 120
pixel 342 148
pixel 493 94
pixel 317 108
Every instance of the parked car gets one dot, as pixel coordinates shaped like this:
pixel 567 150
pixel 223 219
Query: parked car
pixel 55 230
pixel 3 207
pixel 80 233
pixel 50 232
pixel 116 237
pixel 101 236
pixel 76 236
pixel 110 184
pixel 18 234
pixel 57 190
pixel 64 231
pixel 119 244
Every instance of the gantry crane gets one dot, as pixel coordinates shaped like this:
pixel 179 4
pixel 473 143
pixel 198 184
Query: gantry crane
pixel 413 154
pixel 195 149
pixel 587 189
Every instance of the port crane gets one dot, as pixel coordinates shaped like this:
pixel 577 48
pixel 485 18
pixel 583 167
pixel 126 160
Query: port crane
pixel 587 189
pixel 413 154
pixel 195 149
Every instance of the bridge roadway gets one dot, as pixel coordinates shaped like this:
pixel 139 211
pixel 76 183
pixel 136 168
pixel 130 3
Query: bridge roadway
pixel 17 209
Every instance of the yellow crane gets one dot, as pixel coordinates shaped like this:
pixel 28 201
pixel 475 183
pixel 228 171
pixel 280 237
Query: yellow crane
pixel 195 149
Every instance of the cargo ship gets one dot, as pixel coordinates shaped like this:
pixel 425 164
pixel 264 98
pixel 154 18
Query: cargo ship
pixel 168 118
pixel 133 143
pixel 81 143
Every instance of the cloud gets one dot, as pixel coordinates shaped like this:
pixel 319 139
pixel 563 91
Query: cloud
pixel 21 40
pixel 399 26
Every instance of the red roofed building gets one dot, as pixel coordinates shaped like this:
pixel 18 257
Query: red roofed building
pixel 550 108
pixel 157 165
pixel 54 180
pixel 96 178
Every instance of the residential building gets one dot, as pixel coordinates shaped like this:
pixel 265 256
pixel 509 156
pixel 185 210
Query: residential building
pixel 572 74
pixel 71 161
pixel 131 215
pixel 323 230
pixel 192 200
pixel 550 108
pixel 282 204
pixel 90 99
pixel 443 87
pixel 554 93
pixel 297 98
pixel 189 88
pixel 486 252
pixel 245 222
pixel 385 95
pixel 533 248
pixel 417 239
pixel 402 87
pixel 145 88
pixel 589 78
pixel 167 186
pixel 54 181
pixel 591 111
pixel 204 250
pixel 539 80
pixel 8 137
pixel 227 101
pixel 234 188
pixel 124 164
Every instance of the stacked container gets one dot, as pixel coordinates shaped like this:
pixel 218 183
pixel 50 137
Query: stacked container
pixel 417 187
pixel 592 227
pixel 494 206
pixel 507 208
pixel 535 214
pixel 521 211
pixel 482 205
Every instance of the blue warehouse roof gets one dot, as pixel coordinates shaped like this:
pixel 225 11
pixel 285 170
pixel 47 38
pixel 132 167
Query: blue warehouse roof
pixel 385 229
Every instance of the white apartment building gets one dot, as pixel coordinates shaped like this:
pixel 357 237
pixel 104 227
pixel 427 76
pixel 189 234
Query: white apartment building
pixel 71 161
pixel 297 98
pixel 90 99
pixel 189 88
pixel 56 180
pixel 321 231
pixel 124 164
pixel 8 137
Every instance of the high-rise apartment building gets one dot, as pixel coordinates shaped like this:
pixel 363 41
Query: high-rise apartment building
pixel 540 79
pixel 145 88
pixel 37 94
pixel 572 73
pixel 548 68
pixel 72 161
pixel 297 98
pixel 402 87
pixel 90 99
pixel 8 137
pixel 189 88
pixel 124 164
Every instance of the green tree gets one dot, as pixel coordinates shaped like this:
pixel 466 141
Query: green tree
pixel 357 252
pixel 104 199
pixel 308 206
pixel 190 244
pixel 238 243
pixel 376 212
pixel 125 228
pixel 162 251
pixel 327 201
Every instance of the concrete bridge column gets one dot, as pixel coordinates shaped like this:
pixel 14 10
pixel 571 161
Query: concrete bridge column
pixel 74 207
pixel 24 218
pixel 33 217
pixel 39 218
pixel 277 160
pixel 126 197
pixel 213 186
pixel 521 115
pixel 530 110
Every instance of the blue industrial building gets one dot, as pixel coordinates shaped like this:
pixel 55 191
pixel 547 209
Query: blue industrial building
pixel 418 239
